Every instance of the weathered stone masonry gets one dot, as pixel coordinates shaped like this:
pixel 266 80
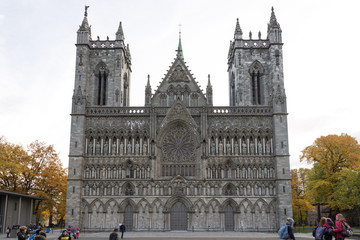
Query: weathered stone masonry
pixel 179 163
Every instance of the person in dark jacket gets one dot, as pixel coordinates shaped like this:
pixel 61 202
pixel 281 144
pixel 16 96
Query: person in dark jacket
pixel 290 222
pixel 122 229
pixel 40 236
pixel 114 235
pixel 22 234
pixel 65 235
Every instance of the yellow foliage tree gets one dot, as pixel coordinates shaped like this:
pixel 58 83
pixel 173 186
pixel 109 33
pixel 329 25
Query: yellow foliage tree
pixel 330 155
pixel 300 204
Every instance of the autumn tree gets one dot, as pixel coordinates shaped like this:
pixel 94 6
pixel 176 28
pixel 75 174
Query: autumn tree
pixel 300 203
pixel 332 156
pixel 35 171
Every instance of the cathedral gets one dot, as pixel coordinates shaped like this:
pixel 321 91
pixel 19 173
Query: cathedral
pixel 179 162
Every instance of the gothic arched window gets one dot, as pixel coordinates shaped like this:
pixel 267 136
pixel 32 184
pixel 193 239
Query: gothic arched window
pixel 163 100
pixel 256 71
pixel 101 73
pixel 232 90
pixel 126 85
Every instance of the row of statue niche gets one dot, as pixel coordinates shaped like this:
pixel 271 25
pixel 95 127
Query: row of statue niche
pixel 117 150
pixel 245 149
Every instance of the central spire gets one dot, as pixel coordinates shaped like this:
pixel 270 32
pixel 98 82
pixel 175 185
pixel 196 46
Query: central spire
pixel 179 50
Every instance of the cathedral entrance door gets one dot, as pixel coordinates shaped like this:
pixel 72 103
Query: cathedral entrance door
pixel 128 218
pixel 178 217
pixel 229 218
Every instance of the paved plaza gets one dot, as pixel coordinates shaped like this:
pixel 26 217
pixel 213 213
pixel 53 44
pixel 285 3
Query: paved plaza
pixel 180 235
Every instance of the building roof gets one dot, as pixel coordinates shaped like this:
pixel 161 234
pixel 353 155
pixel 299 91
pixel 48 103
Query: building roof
pixel 3 192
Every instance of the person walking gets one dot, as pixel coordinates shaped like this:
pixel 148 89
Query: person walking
pixel 22 234
pixel 8 231
pixel 64 235
pixel 287 231
pixel 114 235
pixel 122 229
pixel 339 227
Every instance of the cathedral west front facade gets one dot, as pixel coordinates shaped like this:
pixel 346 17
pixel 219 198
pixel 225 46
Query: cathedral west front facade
pixel 178 162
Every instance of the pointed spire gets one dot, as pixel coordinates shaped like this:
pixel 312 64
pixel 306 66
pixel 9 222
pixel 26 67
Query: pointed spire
pixel 120 33
pixel 85 25
pixel 148 81
pixel 238 32
pixel 179 50
pixel 209 83
pixel 84 32
pixel 273 21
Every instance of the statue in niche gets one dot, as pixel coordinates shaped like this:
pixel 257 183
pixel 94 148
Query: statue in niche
pixel 248 190
pixel 90 148
pixel 228 148
pixel 121 148
pixel 113 148
pixel 137 148
pixel 129 148
pixel 252 148
pixel 221 148
pixel 212 147
pixel 144 148
pixel 267 146
pixel 98 148
pixel 259 148
pixel 236 148
pixel 243 148
pixel 106 148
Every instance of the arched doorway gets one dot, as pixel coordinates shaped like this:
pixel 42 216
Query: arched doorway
pixel 178 217
pixel 229 218
pixel 128 218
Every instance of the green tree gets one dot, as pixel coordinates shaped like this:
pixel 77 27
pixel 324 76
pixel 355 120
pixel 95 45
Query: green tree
pixel 331 157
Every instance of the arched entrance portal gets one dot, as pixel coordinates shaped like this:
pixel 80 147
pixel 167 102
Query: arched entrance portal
pixel 178 217
pixel 128 218
pixel 229 218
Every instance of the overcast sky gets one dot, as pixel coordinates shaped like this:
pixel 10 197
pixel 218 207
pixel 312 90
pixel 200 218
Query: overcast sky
pixel 37 58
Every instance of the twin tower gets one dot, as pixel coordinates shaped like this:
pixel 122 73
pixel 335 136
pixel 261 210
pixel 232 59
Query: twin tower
pixel 178 162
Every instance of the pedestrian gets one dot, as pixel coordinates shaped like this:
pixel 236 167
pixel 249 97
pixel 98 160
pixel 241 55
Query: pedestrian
pixel 77 232
pixel 122 229
pixel 8 231
pixel 114 235
pixel 287 231
pixel 40 236
pixel 323 230
pixel 64 235
pixel 22 234
pixel 339 224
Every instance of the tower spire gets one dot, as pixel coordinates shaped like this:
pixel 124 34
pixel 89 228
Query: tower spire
pixel 274 30
pixel 84 32
pixel 120 33
pixel 238 32
pixel 179 50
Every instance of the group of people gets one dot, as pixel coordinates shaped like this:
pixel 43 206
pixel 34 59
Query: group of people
pixel 24 233
pixel 114 235
pixel 325 230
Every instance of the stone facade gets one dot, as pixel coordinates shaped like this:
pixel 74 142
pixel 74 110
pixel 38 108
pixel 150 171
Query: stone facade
pixel 179 163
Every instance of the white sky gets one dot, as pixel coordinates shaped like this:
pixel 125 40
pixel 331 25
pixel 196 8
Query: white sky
pixel 37 58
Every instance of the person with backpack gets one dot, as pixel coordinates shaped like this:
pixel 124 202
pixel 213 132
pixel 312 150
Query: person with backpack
pixel 342 229
pixel 114 235
pixel 329 229
pixel 287 231
pixel 323 230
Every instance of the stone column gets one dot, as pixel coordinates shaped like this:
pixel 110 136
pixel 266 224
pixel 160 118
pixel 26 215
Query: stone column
pixel 101 146
pixel 141 147
pixel 216 146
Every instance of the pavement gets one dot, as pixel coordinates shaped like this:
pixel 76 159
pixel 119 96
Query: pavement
pixel 179 235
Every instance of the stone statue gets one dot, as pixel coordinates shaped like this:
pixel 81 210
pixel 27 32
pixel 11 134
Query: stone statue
pixel 144 148
pixel 212 148
pixel 252 148
pixel 267 146
pixel 121 148
pixel 228 148
pixel 98 148
pixel 106 148
pixel 259 148
pixel 243 148
pixel 128 149
pixel 221 148
pixel 90 148
pixel 236 148
pixel 137 148
pixel 113 148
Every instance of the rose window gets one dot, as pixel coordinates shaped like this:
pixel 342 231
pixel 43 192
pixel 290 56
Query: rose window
pixel 178 145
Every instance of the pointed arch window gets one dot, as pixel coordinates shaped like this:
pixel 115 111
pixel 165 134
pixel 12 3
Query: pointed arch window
pixel 256 71
pixel 101 74
pixel 126 86
pixel 163 100
pixel 232 90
